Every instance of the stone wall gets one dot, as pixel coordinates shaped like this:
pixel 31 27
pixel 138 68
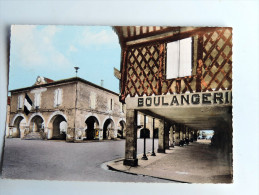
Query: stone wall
pixel 74 107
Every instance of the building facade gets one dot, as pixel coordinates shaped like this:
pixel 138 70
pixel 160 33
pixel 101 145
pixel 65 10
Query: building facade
pixel 7 116
pixel 71 109
pixel 182 77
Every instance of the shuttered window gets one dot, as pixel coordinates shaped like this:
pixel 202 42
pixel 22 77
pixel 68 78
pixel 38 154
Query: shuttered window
pixel 20 102
pixel 92 100
pixel 37 100
pixel 57 97
pixel 179 58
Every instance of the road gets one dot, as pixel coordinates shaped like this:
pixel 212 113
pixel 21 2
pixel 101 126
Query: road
pixel 59 160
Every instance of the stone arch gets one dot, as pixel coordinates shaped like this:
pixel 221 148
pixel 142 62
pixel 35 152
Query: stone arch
pixel 121 129
pixel 36 123
pixel 33 115
pixel 19 123
pixel 109 129
pixel 105 119
pixel 92 127
pixel 57 126
pixel 17 115
pixel 55 113
pixel 95 115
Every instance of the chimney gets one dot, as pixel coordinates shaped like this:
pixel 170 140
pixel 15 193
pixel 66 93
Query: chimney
pixel 101 83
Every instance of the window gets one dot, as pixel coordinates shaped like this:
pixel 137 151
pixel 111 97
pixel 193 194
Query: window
pixel 58 97
pixel 20 102
pixel 179 58
pixel 92 100
pixel 111 104
pixel 37 100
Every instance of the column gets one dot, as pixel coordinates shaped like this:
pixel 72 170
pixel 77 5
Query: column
pixel 177 134
pixel 100 134
pixel 181 132
pixel 191 135
pixel 161 137
pixel 171 136
pixel 195 135
pixel 131 139
pixel 70 134
pixel 10 135
pixel 167 135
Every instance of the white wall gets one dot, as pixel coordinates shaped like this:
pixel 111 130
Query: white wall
pixel 242 15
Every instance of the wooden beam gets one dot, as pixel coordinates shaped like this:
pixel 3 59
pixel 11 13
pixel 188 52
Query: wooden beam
pixel 175 37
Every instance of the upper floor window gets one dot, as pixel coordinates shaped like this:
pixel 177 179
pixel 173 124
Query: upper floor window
pixel 20 102
pixel 58 97
pixel 37 100
pixel 92 100
pixel 111 104
pixel 179 58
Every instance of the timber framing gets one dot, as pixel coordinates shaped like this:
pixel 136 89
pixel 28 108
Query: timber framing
pixel 143 62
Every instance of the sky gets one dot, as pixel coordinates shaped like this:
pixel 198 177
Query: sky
pixel 53 51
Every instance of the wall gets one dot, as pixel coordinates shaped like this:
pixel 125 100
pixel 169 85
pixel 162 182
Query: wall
pixel 75 118
pixel 47 109
pixel 101 111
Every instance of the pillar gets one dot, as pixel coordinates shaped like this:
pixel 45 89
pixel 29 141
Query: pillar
pixel 167 129
pixel 191 135
pixel 161 137
pixel 177 134
pixel 10 135
pixel 100 134
pixel 131 139
pixel 171 138
pixel 195 135
pixel 185 132
pixel 181 132
pixel 70 134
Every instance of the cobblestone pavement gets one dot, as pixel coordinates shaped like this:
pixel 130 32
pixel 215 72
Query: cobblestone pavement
pixel 59 160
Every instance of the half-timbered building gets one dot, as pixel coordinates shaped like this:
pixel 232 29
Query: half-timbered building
pixel 181 76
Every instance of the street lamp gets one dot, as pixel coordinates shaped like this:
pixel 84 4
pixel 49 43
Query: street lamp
pixel 153 153
pixel 144 155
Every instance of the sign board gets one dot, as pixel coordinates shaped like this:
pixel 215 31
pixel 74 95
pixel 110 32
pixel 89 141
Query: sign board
pixel 180 100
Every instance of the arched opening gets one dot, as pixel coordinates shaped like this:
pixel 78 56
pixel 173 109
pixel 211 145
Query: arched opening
pixel 108 129
pixel 59 126
pixel 121 129
pixel 92 126
pixel 206 135
pixel 144 133
pixel 36 124
pixel 19 123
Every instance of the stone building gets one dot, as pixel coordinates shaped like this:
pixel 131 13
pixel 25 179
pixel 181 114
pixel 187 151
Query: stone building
pixel 71 109
pixel 7 116
pixel 182 77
